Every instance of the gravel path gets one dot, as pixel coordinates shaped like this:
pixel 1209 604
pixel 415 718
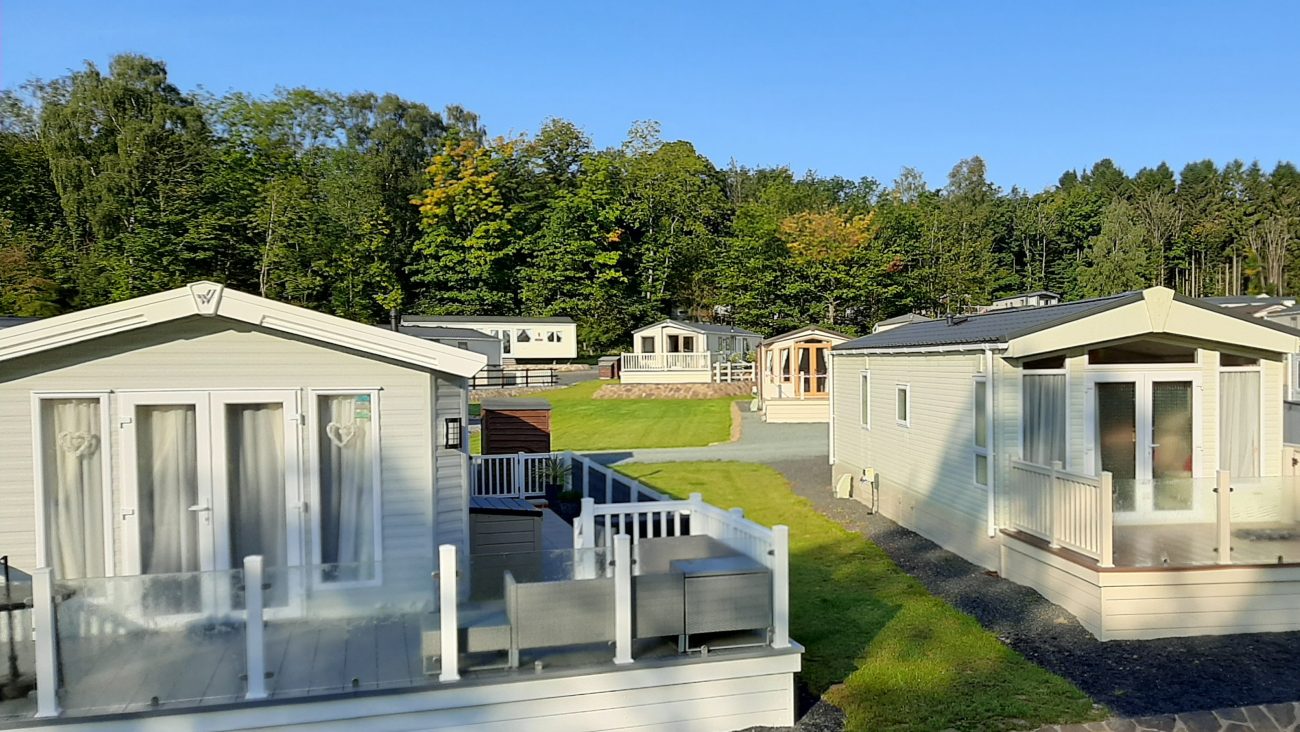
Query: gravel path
pixel 1132 678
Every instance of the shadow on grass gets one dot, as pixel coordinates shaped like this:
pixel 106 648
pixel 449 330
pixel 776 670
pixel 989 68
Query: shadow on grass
pixel 878 645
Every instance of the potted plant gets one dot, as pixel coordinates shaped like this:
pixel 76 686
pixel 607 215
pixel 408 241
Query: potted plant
pixel 570 504
pixel 555 476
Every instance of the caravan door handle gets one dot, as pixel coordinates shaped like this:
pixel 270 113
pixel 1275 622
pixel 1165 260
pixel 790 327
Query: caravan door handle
pixel 199 508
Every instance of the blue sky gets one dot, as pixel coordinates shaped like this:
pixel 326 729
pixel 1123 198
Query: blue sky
pixel 853 89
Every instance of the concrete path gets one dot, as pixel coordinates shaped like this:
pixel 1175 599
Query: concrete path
pixel 759 442
pixel 1265 718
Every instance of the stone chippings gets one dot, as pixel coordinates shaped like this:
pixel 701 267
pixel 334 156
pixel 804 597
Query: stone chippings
pixel 1259 718
pixel 674 391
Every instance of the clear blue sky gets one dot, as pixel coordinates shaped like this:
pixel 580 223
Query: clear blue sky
pixel 851 89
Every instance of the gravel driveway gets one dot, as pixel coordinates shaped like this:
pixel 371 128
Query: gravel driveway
pixel 1132 678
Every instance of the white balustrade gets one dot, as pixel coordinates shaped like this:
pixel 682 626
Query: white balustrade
pixel 1068 510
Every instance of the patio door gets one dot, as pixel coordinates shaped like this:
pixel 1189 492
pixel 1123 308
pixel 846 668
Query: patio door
pixel 1145 432
pixel 209 478
pixel 810 359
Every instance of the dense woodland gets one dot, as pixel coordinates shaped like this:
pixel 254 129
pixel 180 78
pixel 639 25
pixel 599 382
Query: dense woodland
pixel 116 184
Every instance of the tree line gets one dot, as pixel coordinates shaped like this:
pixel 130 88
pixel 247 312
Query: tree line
pixel 116 183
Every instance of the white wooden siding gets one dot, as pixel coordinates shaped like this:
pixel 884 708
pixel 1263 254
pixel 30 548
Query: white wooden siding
pixel 926 469
pixel 795 410
pixel 695 696
pixel 209 354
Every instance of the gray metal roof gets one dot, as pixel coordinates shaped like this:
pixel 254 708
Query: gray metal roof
pixel 701 327
pixel 8 322
pixel 440 331
pixel 905 318
pixel 994 326
pixel 1251 300
pixel 415 319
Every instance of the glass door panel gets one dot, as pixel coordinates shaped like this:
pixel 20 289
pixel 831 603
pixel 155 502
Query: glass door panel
pixel 1171 445
pixel 1117 438
pixel 805 378
pixel 255 487
pixel 820 373
pixel 167 507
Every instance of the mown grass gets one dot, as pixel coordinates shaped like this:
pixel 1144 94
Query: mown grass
pixel 879 646
pixel 579 422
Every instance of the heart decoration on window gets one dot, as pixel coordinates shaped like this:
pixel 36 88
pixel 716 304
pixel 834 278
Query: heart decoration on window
pixel 341 434
pixel 79 443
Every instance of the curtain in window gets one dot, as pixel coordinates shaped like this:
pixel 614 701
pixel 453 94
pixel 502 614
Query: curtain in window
pixel 255 445
pixel 1239 439
pixel 74 486
pixel 1044 418
pixel 346 485
pixel 167 477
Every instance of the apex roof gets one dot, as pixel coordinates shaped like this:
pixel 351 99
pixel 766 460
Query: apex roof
pixel 210 299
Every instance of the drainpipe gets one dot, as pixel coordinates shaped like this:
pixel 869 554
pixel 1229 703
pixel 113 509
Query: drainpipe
pixel 994 461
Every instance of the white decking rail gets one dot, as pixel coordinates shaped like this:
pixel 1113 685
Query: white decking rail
pixel 666 361
pixel 1065 509
pixel 725 372
pixel 522 475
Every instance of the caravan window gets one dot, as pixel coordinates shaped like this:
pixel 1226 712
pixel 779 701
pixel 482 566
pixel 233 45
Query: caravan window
pixel 347 481
pixel 1043 417
pixel 72 472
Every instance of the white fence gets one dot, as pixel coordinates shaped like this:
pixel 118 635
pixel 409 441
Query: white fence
pixel 1065 509
pixel 666 361
pixel 522 475
pixel 725 372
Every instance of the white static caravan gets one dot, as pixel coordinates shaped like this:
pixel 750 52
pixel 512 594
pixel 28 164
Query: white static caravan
pixel 228 408
pixel 1123 456
pixel 793 381
pixel 522 338
pixel 466 339
pixel 153 444
pixel 681 352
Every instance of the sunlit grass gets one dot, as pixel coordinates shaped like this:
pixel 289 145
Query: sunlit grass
pixel 879 646
pixel 579 422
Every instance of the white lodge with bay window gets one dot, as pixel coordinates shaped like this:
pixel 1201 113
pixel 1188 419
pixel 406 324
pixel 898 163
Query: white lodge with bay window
pixel 1086 449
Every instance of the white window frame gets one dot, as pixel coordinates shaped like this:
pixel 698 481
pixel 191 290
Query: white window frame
pixel 905 389
pixel 314 486
pixel 1070 459
pixel 864 399
pixel 981 384
pixel 1218 387
pixel 106 474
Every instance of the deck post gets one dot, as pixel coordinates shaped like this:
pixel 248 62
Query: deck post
pixel 1106 510
pixel 47 654
pixel 622 599
pixel 697 514
pixel 780 586
pixel 519 475
pixel 1223 518
pixel 254 629
pixel 448 626
pixel 587 522
pixel 1052 508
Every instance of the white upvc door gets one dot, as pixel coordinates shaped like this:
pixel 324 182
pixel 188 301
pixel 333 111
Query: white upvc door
pixel 1145 428
pixel 209 477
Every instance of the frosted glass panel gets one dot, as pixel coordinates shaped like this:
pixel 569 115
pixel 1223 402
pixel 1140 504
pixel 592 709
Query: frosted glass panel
pixel 1171 445
pixel 1117 438
pixel 167 481
pixel 255 466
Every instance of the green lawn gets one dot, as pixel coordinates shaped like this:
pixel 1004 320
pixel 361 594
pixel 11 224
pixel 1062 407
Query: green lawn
pixel 882 648
pixel 579 422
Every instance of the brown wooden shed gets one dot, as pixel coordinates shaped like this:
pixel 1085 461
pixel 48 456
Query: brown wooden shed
pixel 516 425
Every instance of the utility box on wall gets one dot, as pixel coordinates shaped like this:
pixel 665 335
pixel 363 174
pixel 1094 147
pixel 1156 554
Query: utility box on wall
pixel 516 425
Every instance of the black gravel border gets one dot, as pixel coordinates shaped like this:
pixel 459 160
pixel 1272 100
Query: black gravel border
pixel 1132 678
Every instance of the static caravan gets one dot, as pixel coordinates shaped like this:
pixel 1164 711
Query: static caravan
pixel 1123 456
pixel 466 339
pixel 522 338
pixel 794 375
pixel 229 513
pixel 677 351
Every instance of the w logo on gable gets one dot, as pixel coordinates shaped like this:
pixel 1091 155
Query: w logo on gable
pixel 207 297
